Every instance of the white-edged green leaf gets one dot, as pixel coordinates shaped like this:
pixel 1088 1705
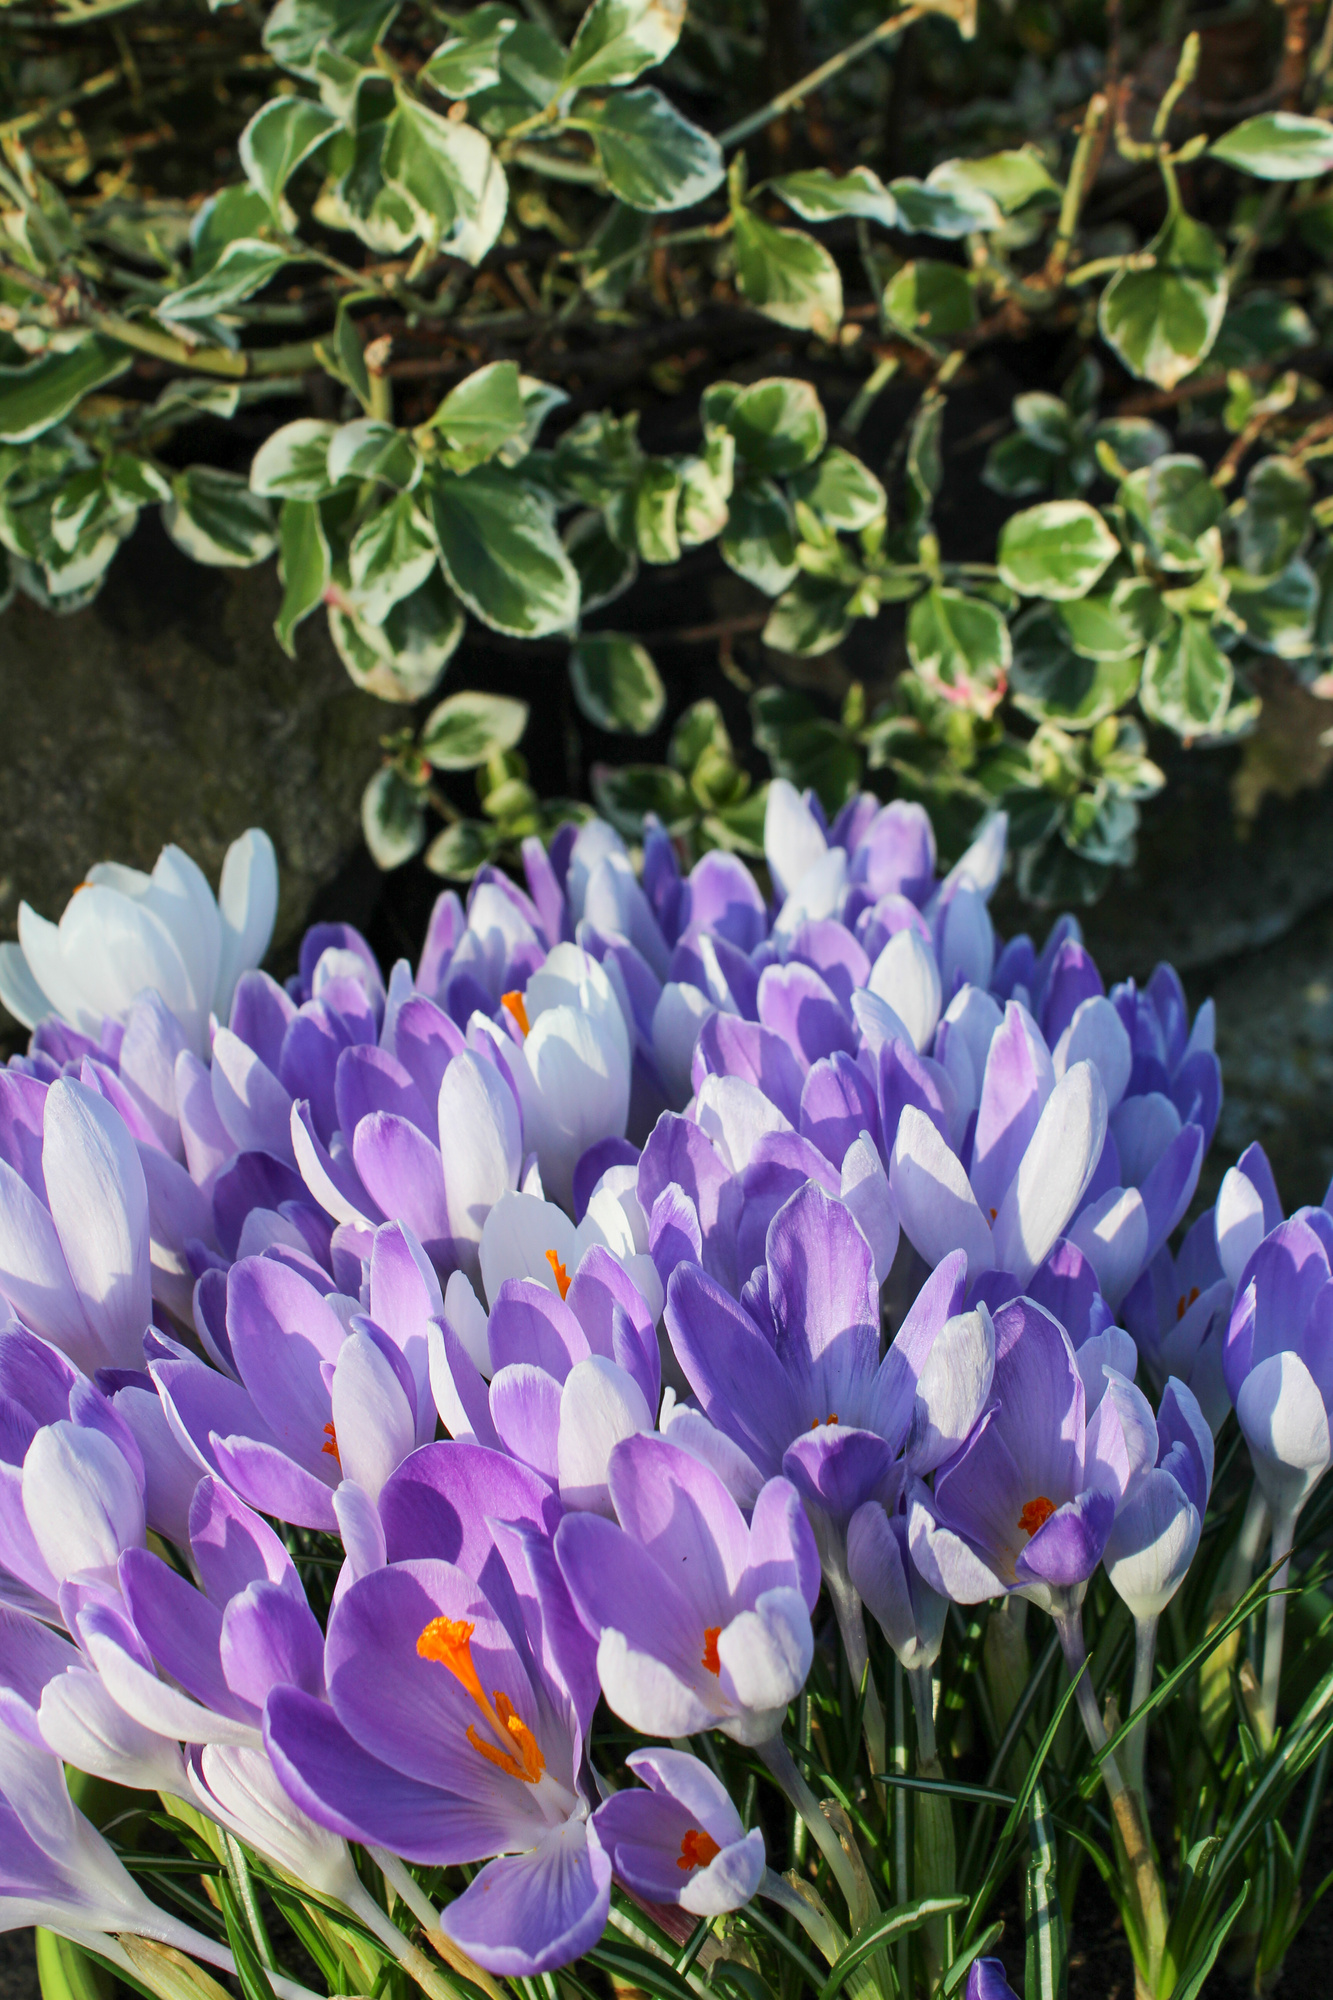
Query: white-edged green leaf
pixel 786 275
pixel 653 158
pixel 778 424
pixel 1052 683
pixel 469 728
pixel 392 820
pixel 245 267
pixel 484 411
pixel 616 683
pixel 296 31
pixel 280 136
pixel 960 645
pixel 759 540
pixel 928 209
pixel 1280 618
pixel 605 570
pixel 931 298
pixel 1278 146
pixel 1187 680
pixel 303 565
pixel 391 555
pixel 470 59
pixel 1274 518
pixel 816 195
pixel 402 659
pixel 705 490
pixel 500 551
pixel 1057 549
pixel 656 505
pixel 538 399
pixel 812 616
pixel 1173 504
pixel 618 39
pixel 40 393
pixel 1162 322
pixel 293 464
pixel 1011 179
pixel 841 490
pixel 449 178
pixel 368 448
pixel 215 518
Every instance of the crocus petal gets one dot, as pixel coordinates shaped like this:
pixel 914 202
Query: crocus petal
pixel 1286 1427
pixel 528 1912
pixel 936 1205
pixel 1055 1170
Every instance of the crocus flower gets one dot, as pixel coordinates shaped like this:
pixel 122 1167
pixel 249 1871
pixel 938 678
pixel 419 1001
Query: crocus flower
pixel 1178 1311
pixel 57 1870
pixel 909 1613
pixel 701 1621
pixel 572 1065
pixel 1027 1505
pixel 74 1236
pixel 71 1476
pixel 792 1373
pixel 680 1839
pixel 1278 1360
pixel 1156 1530
pixel 986 1981
pixel 124 931
pixel 450 1733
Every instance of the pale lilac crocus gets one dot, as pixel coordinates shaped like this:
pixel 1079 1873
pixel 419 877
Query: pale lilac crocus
pixel 678 1838
pixel 1156 1533
pixel 1278 1364
pixel 124 931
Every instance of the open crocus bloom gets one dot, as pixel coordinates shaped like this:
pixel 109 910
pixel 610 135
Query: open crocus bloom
pixel 572 1064
pixel 1278 1359
pixel 1028 1503
pixel 449 1734
pixel 680 1839
pixel 702 1622
pixel 125 931
pixel 793 1373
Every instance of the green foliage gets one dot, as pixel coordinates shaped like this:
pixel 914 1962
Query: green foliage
pixel 416 206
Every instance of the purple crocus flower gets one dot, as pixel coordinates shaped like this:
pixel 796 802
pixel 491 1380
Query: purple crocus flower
pixel 456 1716
pixel 1278 1359
pixel 1178 1311
pixel 1028 1503
pixel 792 1373
pixel 71 1476
pixel 701 1621
pixel 986 1981
pixel 680 1839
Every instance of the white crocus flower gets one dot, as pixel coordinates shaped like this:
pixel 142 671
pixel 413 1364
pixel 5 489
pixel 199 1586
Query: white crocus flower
pixel 123 933
pixel 573 1066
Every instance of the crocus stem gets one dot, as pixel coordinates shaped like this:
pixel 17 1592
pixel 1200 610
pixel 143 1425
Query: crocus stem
pixel 783 1767
pixel 180 1937
pixel 822 1932
pixel 852 1626
pixel 1145 1651
pixel 1284 1526
pixel 922 1689
pixel 901 1885
pixel 1249 1541
pixel 1145 1881
pixel 414 1963
pixel 400 1880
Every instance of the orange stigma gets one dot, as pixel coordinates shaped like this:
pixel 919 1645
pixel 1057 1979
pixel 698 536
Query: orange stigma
pixel 561 1274
pixel 1185 1301
pixel 1036 1514
pixel 513 1005
pixel 331 1448
pixel 831 1418
pixel 712 1633
pixel 697 1849
pixel 448 1641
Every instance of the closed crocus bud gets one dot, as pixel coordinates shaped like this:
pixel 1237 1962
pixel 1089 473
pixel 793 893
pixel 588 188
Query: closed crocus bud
pixel 910 1614
pixel 986 1981
pixel 573 1071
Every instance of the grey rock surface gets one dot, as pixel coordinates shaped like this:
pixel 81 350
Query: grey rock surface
pixel 166 711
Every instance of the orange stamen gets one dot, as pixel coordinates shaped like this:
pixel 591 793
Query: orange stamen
pixel 448 1641
pixel 1183 1303
pixel 1036 1514
pixel 712 1633
pixel 331 1448
pixel 994 1212
pixel 513 1005
pixel 831 1418
pixel 561 1274
pixel 697 1849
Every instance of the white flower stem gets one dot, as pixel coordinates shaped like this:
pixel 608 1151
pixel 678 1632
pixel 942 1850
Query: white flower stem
pixel 1249 1541
pixel 822 1932
pixel 1145 1652
pixel 1144 1880
pixel 1284 1527
pixel 922 1688
pixel 782 1765
pixel 414 1963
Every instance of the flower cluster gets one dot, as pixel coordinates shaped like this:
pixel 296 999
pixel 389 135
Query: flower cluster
pixel 541 1292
